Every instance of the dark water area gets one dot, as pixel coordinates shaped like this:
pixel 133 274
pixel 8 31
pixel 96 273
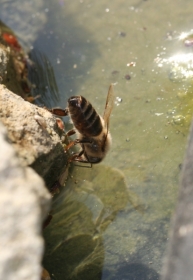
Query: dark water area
pixel 112 221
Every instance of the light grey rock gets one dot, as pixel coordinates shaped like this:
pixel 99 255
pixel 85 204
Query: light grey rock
pixel 34 134
pixel 179 261
pixel 24 203
pixel 31 138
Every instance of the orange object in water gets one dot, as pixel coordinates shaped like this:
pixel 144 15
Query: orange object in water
pixel 11 40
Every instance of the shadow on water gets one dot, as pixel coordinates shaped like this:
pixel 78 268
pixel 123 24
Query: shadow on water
pixel 42 77
pixel 88 204
pixel 62 50
pixel 135 268
pixel 70 50
pixel 132 271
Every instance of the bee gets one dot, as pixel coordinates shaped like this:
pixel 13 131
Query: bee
pixel 91 128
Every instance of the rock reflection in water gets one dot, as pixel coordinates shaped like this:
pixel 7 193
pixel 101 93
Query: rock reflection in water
pixel 88 204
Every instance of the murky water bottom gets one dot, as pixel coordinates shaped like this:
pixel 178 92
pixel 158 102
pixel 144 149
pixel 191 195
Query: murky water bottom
pixel 102 229
pixel 112 221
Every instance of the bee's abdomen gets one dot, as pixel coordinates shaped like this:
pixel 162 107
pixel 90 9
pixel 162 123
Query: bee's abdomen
pixel 85 118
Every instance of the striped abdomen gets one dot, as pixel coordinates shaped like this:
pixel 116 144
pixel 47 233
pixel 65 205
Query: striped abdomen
pixel 86 120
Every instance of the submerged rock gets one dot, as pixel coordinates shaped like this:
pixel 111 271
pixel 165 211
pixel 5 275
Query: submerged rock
pixel 83 218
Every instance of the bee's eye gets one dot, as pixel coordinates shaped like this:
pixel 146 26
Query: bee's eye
pixel 73 101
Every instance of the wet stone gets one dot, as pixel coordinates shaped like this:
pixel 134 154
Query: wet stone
pixel 178 263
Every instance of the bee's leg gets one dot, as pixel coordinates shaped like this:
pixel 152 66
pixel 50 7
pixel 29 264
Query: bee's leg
pixel 66 135
pixel 79 158
pixel 75 142
pixel 58 111
pixel 71 132
pixel 82 160
pixel 76 157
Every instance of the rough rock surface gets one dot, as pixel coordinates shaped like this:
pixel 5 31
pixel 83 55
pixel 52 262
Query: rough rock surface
pixel 24 203
pixel 31 137
pixel 34 134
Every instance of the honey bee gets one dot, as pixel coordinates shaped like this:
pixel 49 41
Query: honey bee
pixel 92 129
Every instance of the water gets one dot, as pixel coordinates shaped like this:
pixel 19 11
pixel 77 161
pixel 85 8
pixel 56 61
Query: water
pixel 112 221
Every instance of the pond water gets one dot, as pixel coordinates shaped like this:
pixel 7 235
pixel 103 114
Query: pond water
pixel 111 222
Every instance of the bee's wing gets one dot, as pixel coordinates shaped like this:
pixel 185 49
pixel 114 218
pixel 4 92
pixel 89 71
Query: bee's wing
pixel 108 106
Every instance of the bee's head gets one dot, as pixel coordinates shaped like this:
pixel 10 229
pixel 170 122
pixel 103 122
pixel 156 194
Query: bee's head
pixel 75 101
pixel 76 105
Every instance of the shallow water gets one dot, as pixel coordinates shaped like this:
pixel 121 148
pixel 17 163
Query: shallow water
pixel 111 221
